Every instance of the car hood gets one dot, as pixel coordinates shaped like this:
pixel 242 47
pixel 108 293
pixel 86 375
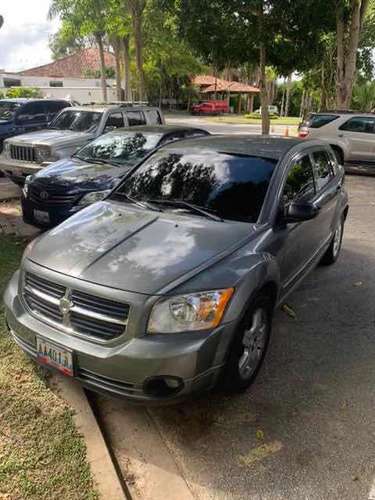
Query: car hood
pixel 56 138
pixel 76 173
pixel 119 245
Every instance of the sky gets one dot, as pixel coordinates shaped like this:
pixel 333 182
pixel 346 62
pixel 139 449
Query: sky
pixel 24 35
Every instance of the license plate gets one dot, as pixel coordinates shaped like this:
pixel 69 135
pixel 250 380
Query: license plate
pixel 41 216
pixel 53 355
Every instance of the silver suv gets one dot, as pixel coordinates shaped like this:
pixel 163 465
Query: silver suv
pixel 71 129
pixel 351 135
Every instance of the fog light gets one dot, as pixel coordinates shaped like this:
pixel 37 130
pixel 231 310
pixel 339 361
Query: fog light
pixel 163 387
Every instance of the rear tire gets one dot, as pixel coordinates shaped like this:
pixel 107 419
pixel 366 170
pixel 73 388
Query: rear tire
pixel 333 251
pixel 249 346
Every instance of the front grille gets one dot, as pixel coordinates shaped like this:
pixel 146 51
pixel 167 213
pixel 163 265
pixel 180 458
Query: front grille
pixel 41 195
pixel 23 153
pixel 78 312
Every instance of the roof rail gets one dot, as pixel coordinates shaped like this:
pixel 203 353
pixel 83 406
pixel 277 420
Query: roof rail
pixel 121 104
pixel 347 111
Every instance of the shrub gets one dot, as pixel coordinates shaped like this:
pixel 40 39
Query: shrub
pixel 17 92
pixel 251 116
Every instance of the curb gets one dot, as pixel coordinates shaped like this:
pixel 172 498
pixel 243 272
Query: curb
pixel 106 480
pixel 149 467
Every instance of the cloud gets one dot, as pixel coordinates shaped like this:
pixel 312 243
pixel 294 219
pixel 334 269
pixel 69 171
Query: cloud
pixel 21 48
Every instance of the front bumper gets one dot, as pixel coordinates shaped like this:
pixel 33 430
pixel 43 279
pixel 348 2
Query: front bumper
pixel 57 214
pixel 123 369
pixel 17 171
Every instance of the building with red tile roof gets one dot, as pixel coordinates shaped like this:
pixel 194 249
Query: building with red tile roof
pixel 74 66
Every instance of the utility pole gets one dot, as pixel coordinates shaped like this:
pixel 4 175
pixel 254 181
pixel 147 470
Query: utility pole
pixel 1 20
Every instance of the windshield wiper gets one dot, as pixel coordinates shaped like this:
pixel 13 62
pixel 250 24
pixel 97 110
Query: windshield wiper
pixel 189 206
pixel 141 204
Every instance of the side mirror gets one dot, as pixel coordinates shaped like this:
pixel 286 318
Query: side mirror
pixel 298 212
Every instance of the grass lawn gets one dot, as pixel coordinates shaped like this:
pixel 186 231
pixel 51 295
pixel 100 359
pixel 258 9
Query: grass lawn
pixel 241 120
pixel 41 454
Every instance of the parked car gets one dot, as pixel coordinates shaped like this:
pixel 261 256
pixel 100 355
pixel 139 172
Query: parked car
pixel 65 187
pixel 18 116
pixel 209 107
pixel 168 286
pixel 271 109
pixel 351 135
pixel 72 128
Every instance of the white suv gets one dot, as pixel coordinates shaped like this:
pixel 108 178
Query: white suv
pixel 351 135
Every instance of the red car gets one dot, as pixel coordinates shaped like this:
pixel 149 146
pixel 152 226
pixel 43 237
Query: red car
pixel 209 107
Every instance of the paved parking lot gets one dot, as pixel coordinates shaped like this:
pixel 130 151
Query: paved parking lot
pixel 306 429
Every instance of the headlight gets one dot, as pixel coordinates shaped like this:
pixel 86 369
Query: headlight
pixel 6 147
pixel 25 189
pixel 43 153
pixel 93 197
pixel 195 311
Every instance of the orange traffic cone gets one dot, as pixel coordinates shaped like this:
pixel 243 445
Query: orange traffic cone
pixel 286 132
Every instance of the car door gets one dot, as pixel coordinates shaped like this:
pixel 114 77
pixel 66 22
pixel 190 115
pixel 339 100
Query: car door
pixel 358 134
pixel 32 117
pixel 296 247
pixel 328 184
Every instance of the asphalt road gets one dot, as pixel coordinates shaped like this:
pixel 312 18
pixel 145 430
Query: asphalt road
pixel 227 128
pixel 306 428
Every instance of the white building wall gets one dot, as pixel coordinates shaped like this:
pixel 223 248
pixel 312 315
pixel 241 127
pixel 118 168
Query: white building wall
pixel 42 81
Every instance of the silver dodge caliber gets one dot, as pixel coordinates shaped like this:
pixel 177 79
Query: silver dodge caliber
pixel 168 285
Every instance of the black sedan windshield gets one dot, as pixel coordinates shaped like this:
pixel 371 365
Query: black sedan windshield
pixel 120 147
pixel 231 186
pixel 77 121
pixel 7 109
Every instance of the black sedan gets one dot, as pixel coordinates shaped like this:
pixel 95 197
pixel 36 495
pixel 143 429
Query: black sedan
pixel 65 187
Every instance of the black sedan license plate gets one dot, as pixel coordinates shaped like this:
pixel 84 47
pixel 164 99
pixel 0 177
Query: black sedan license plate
pixel 53 355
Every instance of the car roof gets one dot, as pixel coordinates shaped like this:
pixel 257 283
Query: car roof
pixel 267 147
pixel 343 113
pixel 26 99
pixel 101 108
pixel 159 129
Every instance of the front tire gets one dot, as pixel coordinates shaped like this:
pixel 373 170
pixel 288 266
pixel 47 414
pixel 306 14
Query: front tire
pixel 333 251
pixel 249 346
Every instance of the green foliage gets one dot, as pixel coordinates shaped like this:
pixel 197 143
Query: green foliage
pixel 364 96
pixel 258 116
pixel 63 44
pixel 18 92
pixel 109 73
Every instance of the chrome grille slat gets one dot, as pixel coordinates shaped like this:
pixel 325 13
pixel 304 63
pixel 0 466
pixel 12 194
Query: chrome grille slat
pixel 36 282
pixel 101 306
pixel 53 199
pixel 86 314
pixel 23 153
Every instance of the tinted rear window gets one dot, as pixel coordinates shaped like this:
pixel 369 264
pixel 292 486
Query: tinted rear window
pixel 233 187
pixel 317 121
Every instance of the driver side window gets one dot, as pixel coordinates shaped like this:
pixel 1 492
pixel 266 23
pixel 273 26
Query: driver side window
pixel 299 184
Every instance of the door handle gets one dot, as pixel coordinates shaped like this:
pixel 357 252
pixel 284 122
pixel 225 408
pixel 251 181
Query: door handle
pixel 340 135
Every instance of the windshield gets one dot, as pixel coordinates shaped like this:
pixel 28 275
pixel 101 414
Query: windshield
pixel 120 147
pixel 77 121
pixel 231 186
pixel 7 109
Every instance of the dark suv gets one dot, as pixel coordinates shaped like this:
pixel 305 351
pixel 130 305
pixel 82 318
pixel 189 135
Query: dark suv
pixel 168 285
pixel 18 116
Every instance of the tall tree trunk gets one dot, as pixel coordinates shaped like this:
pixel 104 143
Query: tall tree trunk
pixel 116 45
pixel 347 47
pixel 282 101
pixel 126 48
pixel 287 99
pixel 262 68
pixel 137 7
pixel 103 80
